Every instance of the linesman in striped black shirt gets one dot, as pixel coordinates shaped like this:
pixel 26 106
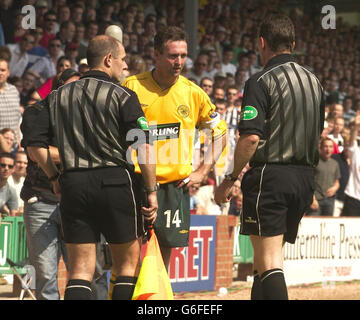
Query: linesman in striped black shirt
pixel 91 119
pixel 280 125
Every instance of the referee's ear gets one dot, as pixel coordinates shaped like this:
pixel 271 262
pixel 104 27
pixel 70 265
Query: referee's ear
pixel 262 43
pixel 108 60
pixel 292 46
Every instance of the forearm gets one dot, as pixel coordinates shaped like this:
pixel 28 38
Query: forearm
pixel 43 158
pixel 147 164
pixel 212 155
pixel 336 186
pixel 244 150
pixel 54 154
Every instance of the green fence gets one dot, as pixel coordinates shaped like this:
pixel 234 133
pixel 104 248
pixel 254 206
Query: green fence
pixel 243 251
pixel 12 243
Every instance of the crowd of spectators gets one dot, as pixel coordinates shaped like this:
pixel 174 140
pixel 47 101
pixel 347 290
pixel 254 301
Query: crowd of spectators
pixel 226 57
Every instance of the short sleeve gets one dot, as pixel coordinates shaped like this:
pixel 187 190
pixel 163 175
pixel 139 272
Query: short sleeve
pixel 133 115
pixel 36 127
pixel 253 110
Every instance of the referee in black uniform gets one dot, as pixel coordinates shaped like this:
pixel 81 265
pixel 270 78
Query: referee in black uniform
pixel 280 125
pixel 90 119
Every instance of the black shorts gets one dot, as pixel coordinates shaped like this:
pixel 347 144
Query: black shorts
pixel 172 224
pixel 101 200
pixel 275 198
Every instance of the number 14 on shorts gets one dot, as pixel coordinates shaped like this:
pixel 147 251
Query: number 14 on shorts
pixel 175 219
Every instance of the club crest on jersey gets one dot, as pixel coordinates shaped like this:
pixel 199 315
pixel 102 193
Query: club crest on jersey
pixel 183 111
pixel 165 131
pixel 248 113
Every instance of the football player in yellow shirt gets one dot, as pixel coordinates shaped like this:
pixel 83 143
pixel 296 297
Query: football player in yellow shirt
pixel 174 108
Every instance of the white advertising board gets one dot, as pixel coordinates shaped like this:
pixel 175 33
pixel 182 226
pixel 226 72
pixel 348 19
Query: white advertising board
pixel 326 250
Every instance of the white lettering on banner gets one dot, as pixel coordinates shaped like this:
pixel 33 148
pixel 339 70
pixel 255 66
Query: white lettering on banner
pixel 192 263
pixel 326 249
pixel 236 247
pixel 3 254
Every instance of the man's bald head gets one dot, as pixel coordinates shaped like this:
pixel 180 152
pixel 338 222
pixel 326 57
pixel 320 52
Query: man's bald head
pixel 99 47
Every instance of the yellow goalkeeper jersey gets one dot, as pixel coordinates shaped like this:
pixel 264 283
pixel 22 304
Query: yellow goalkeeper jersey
pixel 173 115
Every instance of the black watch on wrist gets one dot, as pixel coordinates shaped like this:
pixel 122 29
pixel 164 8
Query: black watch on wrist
pixel 152 189
pixel 229 177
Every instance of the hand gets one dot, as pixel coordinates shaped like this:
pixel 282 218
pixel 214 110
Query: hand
pixel 331 192
pixel 194 179
pixel 223 192
pixel 150 212
pixel 315 205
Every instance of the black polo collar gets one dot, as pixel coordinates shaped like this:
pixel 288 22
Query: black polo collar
pixel 97 74
pixel 280 59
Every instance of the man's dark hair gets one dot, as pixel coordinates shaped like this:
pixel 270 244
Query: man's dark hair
pixel 171 33
pixel 99 47
pixel 6 155
pixel 50 13
pixel 220 101
pixel 279 32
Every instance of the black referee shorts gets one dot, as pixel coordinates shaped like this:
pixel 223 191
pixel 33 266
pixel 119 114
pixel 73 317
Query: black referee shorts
pixel 275 198
pixel 101 200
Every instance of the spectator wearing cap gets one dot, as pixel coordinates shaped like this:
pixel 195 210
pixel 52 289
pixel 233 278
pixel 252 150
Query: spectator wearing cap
pixel 71 52
pixel 220 39
pixel 66 33
pixel 220 79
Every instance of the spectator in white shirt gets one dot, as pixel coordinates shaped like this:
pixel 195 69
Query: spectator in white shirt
pixel 19 55
pixel 227 66
pixel 45 67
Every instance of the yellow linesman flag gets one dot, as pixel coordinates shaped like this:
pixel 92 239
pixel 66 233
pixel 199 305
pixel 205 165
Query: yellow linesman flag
pixel 153 281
